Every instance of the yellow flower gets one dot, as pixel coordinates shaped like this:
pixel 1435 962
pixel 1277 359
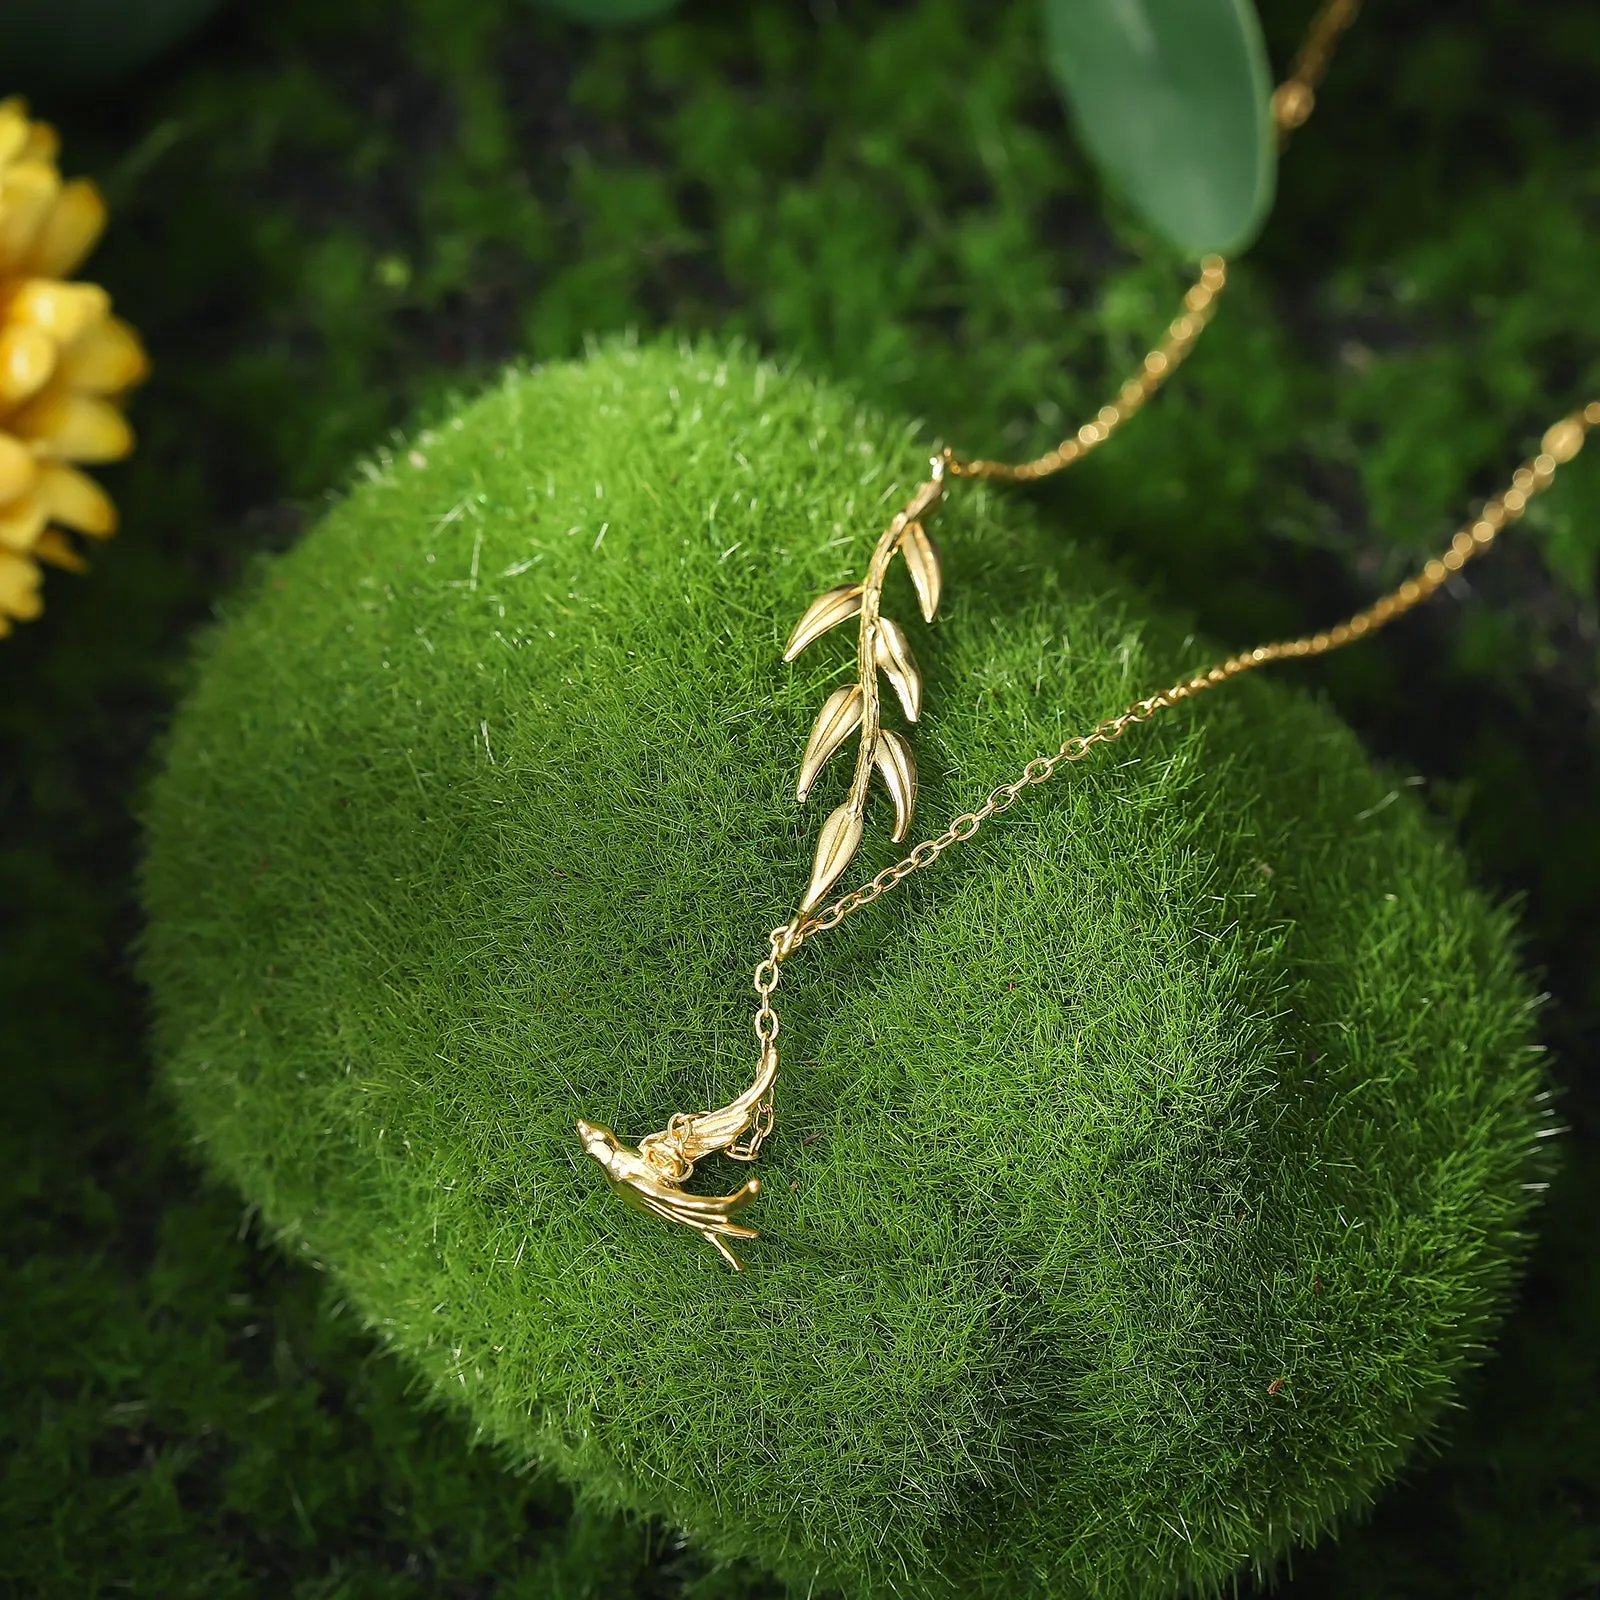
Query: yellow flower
pixel 64 361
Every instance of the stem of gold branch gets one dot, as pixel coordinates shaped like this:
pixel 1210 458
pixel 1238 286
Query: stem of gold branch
pixel 881 647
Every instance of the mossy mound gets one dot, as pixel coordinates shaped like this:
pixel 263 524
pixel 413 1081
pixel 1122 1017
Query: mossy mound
pixel 1146 1171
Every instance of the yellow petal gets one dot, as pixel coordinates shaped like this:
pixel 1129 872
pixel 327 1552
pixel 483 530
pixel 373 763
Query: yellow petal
pixel 63 310
pixel 69 497
pixel 19 587
pixel 71 427
pixel 44 143
pixel 55 547
pixel 103 359
pixel 21 523
pixel 69 231
pixel 28 189
pixel 13 128
pixel 17 468
pixel 27 358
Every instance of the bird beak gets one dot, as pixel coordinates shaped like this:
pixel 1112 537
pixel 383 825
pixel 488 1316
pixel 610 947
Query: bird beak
pixel 597 1141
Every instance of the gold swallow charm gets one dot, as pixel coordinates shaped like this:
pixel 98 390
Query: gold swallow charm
pixel 652 1177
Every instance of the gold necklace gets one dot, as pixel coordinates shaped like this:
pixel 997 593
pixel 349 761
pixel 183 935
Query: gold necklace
pixel 652 1176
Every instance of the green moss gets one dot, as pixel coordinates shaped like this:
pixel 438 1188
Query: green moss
pixel 1147 1173
pixel 892 193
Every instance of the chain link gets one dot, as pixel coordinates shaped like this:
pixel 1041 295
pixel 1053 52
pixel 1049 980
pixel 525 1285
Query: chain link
pixel 766 1026
pixel 766 980
pixel 1199 303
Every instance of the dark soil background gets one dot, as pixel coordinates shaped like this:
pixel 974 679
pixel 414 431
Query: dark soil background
pixel 330 215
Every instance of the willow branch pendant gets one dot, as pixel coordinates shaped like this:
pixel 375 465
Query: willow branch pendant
pixel 652 1176
pixel 881 647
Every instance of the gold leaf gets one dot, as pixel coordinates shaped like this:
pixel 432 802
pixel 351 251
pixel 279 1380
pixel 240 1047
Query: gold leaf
pixel 836 847
pixel 922 560
pixel 826 611
pixel 893 653
pixel 892 757
pixel 839 718
pixel 927 496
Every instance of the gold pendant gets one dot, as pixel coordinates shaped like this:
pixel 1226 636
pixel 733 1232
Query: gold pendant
pixel 652 1177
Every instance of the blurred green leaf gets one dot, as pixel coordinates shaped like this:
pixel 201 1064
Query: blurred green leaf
pixel 1173 100
pixel 49 46
pixel 608 12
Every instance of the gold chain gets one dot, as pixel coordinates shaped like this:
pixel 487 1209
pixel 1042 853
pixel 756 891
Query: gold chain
pixel 1560 444
pixel 653 1174
pixel 1198 305
pixel 1292 103
pixel 1296 97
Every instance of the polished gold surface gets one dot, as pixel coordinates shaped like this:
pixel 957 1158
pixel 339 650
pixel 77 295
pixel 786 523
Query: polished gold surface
pixel 881 648
pixel 652 1176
